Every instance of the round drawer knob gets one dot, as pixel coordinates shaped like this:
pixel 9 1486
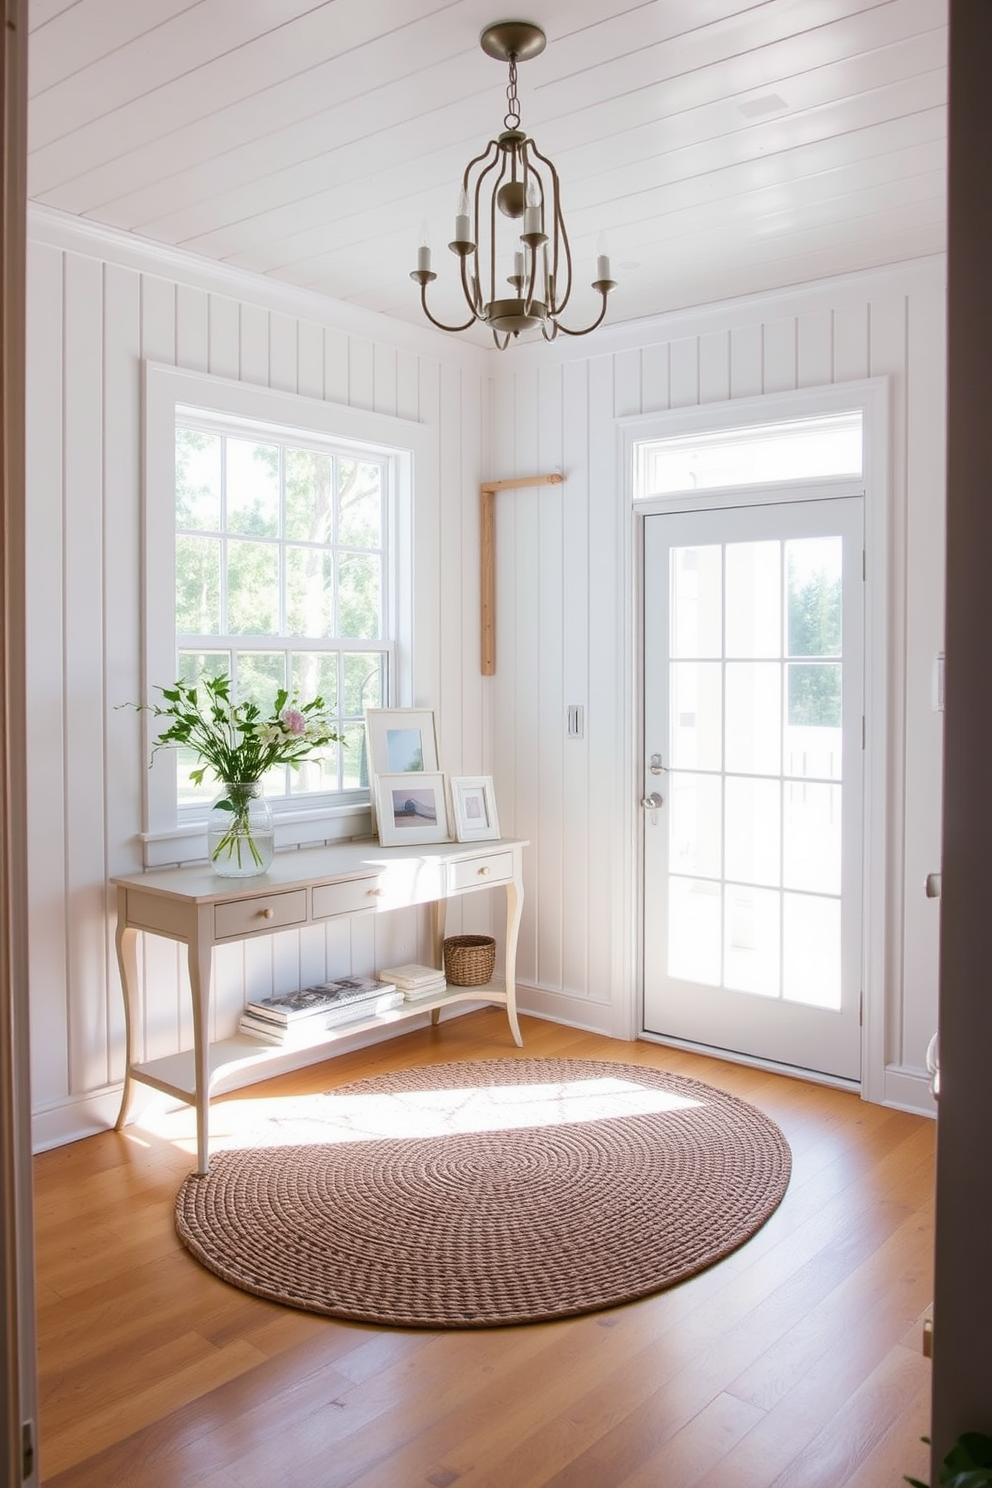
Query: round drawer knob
pixel 267 914
pixel 483 872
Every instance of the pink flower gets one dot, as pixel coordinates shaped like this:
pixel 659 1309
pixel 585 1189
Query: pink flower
pixel 293 720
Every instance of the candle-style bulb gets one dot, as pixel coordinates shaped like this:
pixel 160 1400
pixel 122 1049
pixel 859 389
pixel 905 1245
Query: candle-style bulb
pixel 533 210
pixel 424 251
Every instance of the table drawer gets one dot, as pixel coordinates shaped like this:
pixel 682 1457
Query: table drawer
pixel 345 898
pixel 479 873
pixel 239 917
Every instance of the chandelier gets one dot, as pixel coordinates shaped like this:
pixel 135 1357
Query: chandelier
pixel 509 219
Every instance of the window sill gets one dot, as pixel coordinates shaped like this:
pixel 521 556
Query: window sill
pixel 294 829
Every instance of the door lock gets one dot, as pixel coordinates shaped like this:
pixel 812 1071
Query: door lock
pixel 656 767
pixel 652 802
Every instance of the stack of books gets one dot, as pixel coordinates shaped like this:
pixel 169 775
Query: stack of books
pixel 298 1019
pixel 416 981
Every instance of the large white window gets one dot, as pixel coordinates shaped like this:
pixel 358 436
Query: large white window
pixel 278 552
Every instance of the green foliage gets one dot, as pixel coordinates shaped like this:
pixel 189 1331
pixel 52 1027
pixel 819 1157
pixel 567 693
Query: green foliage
pixel 967 1465
pixel 235 740
pixel 815 631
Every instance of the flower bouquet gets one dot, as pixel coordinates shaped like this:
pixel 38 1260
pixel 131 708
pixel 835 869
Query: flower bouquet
pixel 239 745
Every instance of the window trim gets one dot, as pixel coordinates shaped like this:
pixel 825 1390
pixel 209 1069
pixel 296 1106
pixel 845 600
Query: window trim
pixel 169 836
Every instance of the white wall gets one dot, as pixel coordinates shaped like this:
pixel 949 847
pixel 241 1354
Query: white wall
pixel 98 304
pixel 565 622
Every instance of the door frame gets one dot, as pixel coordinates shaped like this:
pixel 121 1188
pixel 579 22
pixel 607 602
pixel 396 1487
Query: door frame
pixel 872 397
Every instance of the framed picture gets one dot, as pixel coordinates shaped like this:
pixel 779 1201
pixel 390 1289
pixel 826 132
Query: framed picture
pixel 473 806
pixel 410 808
pixel 401 741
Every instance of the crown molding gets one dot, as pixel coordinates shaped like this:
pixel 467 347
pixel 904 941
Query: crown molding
pixel 71 234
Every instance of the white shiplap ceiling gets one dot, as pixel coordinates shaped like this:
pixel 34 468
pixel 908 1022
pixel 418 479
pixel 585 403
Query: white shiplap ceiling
pixel 724 147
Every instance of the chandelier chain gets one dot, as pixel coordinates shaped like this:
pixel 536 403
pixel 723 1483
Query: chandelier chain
pixel 512 119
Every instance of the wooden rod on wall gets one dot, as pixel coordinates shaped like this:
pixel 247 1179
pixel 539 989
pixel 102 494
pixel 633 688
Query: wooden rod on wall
pixel 487 556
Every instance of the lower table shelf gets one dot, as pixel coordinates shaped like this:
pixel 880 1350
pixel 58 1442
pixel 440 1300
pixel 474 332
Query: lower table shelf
pixel 174 1074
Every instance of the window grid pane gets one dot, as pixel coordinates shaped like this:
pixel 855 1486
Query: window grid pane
pixel 280 582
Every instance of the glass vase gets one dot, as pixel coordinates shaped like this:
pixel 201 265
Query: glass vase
pixel 240 834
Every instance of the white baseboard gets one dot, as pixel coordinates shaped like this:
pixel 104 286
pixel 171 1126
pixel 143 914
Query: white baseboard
pixel 574 1012
pixel 908 1089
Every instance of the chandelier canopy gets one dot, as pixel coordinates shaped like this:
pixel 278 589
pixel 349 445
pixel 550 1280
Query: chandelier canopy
pixel 509 218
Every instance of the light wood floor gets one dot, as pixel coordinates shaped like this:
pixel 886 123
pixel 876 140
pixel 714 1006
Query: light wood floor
pixel 796 1362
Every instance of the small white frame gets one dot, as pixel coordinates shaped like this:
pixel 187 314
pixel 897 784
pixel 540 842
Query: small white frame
pixel 411 808
pixel 397 738
pixel 473 808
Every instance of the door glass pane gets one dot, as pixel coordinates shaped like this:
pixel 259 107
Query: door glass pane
pixel 753 808
pixel 751 936
pixel 697 602
pixel 811 950
pixel 813 567
pixel 694 930
pixel 696 715
pixel 811 837
pixel 754 717
pixel 695 813
pixel 754 610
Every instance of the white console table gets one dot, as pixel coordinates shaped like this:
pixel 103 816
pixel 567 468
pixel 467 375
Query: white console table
pixel 200 909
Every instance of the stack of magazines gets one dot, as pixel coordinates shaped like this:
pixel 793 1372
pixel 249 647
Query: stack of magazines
pixel 298 1019
pixel 416 981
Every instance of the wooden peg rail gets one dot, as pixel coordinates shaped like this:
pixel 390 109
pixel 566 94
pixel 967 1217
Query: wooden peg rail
pixel 487 553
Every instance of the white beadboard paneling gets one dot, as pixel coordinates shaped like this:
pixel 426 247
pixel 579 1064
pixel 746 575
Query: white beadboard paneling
pixel 88 768
pixel 85 698
pixel 224 357
pixel 577 560
pixel 714 367
pixel 124 763
pixel 655 374
pixel 779 374
pixel 45 624
pixel 815 350
pixel 851 343
pixel 925 554
pixel 746 359
pixel 684 372
pixel 192 329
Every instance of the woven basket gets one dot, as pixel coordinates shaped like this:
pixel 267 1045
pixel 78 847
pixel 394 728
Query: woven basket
pixel 469 959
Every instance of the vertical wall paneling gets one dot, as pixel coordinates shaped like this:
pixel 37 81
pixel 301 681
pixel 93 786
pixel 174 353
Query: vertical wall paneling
pixel 45 624
pixel 92 322
pixel 850 342
pixel 192 329
pixel 361 373
pixel 85 696
pixel 655 372
pixel 746 358
pixel 337 359
pixel 627 383
pixel 816 349
pixel 684 372
pixel 606 804
pixel 779 372
pixel 224 327
pixel 123 763
pixel 310 360
pixel 283 352
pixel 254 344
pixel 576 588
pixel 887 357
pixel 925 566
pixel 714 367
pixel 525 583
pixel 552 507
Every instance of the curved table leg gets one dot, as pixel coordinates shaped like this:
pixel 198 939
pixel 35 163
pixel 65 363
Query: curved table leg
pixel 127 960
pixel 514 910
pixel 200 960
pixel 438 918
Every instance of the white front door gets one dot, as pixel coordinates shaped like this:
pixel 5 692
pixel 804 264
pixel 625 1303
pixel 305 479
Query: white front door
pixel 753 753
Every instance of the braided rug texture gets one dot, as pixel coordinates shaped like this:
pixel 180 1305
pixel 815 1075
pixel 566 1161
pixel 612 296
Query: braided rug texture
pixel 477 1194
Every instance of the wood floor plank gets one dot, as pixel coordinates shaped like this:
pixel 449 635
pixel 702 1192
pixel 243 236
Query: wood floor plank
pixel 791 1360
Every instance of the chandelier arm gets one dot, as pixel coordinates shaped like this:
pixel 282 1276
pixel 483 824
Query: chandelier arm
pixel 434 320
pixel 559 234
pixel 597 322
pixel 470 288
pixel 501 345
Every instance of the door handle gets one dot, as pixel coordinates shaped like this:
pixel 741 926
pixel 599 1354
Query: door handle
pixel 652 802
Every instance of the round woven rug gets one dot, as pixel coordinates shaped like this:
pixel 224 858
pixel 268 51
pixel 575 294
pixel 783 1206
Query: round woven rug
pixel 477 1194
